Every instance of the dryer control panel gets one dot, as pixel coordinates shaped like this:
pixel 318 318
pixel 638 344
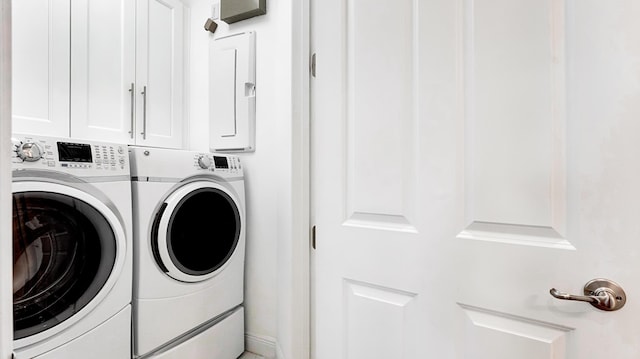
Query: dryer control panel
pixel 218 163
pixel 79 157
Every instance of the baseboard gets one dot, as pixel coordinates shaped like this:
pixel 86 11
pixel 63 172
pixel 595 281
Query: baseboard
pixel 265 346
pixel 279 352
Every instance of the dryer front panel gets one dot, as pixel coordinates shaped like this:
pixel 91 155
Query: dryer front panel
pixel 196 231
pixel 67 249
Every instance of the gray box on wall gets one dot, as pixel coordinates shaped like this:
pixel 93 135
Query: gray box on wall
pixel 236 10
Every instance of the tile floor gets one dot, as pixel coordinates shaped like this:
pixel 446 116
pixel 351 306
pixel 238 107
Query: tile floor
pixel 248 355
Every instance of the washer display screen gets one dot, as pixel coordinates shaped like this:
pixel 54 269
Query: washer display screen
pixel 74 152
pixel 220 162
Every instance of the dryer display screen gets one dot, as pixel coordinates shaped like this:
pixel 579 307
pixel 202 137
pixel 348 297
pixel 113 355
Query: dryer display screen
pixel 74 152
pixel 221 162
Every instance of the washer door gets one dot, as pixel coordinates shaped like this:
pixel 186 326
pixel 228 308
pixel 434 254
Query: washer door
pixel 196 231
pixel 67 249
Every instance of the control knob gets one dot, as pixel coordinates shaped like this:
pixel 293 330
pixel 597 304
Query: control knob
pixel 29 152
pixel 204 162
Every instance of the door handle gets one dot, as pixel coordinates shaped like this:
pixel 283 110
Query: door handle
pixel 144 112
pixel 132 95
pixel 603 294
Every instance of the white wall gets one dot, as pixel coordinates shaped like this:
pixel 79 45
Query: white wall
pixel 268 169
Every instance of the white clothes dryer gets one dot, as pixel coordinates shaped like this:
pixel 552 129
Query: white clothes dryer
pixel 189 245
pixel 72 256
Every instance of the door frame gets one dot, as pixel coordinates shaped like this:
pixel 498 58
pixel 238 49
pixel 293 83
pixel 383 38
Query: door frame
pixel 6 257
pixel 295 332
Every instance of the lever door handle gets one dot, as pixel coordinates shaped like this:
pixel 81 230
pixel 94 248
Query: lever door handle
pixel 603 298
pixel 603 294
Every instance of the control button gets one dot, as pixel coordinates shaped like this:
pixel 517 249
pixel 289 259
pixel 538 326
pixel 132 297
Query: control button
pixel 204 162
pixel 29 152
pixel 120 150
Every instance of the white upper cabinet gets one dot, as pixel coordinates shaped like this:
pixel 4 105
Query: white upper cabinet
pixel 159 73
pixel 40 67
pixel 101 69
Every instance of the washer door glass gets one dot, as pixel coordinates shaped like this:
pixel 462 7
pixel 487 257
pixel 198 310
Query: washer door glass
pixel 196 232
pixel 63 253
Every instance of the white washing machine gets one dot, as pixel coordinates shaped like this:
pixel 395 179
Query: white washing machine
pixel 72 256
pixel 189 245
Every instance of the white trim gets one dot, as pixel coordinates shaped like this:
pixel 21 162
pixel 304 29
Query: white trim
pixel 261 345
pixel 6 257
pixel 301 205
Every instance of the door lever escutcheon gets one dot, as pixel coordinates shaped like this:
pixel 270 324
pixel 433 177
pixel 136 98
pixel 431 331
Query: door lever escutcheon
pixel 603 294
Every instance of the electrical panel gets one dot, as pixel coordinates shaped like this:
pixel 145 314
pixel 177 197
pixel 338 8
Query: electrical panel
pixel 233 92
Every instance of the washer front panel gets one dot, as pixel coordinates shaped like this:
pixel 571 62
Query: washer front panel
pixel 68 252
pixel 196 231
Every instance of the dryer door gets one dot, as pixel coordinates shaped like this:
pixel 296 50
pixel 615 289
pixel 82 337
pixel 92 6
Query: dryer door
pixel 196 231
pixel 67 252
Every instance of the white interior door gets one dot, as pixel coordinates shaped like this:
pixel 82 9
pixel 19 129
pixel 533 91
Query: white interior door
pixel 467 157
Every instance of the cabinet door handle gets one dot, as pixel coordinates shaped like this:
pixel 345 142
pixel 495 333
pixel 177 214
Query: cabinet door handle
pixel 144 113
pixel 132 93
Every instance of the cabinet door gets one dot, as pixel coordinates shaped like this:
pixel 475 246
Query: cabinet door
pixel 103 70
pixel 159 73
pixel 40 61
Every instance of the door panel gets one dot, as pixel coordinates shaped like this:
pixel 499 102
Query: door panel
pixel 378 315
pixel 101 76
pixel 467 157
pixel 40 67
pixel 514 100
pixel 388 97
pixel 159 73
pixel 491 335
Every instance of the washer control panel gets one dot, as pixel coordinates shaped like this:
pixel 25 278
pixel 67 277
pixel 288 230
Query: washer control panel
pixel 214 162
pixel 86 158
